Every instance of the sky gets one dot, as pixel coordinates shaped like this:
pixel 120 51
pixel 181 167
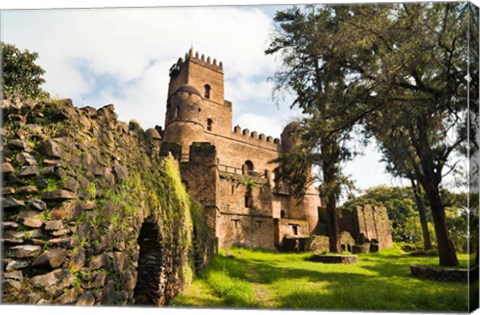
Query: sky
pixel 122 56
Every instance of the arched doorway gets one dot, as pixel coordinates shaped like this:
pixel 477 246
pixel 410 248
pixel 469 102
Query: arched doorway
pixel 248 167
pixel 149 289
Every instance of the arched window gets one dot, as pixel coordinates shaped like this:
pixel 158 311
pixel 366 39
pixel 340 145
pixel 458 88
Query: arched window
pixel 248 200
pixel 248 167
pixel 207 91
pixel 176 112
pixel 282 214
pixel 209 124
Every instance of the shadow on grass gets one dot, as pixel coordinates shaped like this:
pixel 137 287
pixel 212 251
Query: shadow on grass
pixel 391 290
pixel 377 282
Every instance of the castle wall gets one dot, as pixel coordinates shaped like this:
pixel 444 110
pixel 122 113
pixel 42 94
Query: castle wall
pixel 250 231
pixel 183 125
pixel 200 177
pixel 115 229
pixel 243 222
pixel 233 189
pixel 307 209
pixel 236 149
pixel 184 134
pixel 288 228
pixel 279 203
pixel 374 224
pixel 366 223
pixel 175 82
pixel 220 114
pixel 201 73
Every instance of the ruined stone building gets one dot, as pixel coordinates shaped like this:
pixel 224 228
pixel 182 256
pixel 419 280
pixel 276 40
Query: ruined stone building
pixel 228 169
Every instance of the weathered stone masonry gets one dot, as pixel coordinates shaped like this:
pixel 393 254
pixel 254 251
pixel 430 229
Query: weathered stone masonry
pixel 91 214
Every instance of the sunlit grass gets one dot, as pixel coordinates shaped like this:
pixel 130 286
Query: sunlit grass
pixel 380 281
pixel 225 284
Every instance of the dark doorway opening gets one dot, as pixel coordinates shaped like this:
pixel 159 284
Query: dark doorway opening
pixel 295 229
pixel 248 168
pixel 149 290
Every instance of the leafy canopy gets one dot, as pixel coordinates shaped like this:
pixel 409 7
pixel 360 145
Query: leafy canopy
pixel 21 76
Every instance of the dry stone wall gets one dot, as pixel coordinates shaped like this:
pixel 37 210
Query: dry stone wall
pixel 91 214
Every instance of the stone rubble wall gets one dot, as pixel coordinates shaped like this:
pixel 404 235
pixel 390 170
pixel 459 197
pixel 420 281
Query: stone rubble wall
pixel 77 187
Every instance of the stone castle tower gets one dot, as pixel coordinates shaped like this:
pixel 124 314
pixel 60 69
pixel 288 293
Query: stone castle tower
pixel 230 170
pixel 234 177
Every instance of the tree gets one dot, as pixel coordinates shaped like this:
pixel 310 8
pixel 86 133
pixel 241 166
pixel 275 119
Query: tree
pixel 427 242
pixel 398 154
pixel 406 65
pixel 419 65
pixel 304 41
pixel 21 77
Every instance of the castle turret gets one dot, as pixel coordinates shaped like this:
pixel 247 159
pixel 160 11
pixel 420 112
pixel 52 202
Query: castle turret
pixel 205 74
pixel 290 136
pixel 182 120
pixel 308 207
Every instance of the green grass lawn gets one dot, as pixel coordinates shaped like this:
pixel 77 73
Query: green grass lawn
pixel 380 281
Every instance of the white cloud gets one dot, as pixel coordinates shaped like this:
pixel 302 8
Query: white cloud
pixel 123 43
pixel 122 56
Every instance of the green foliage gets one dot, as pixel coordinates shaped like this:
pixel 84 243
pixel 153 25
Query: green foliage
pixel 22 228
pixel 77 276
pixel 54 184
pixel 31 142
pixel 398 70
pixel 45 215
pixel 27 236
pixel 413 229
pixel 92 190
pixel 379 281
pixel 21 76
pixel 458 216
pixel 250 184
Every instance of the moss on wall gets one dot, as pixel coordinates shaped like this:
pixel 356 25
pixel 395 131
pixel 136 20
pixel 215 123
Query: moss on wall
pixel 78 186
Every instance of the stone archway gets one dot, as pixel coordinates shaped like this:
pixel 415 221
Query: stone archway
pixel 150 286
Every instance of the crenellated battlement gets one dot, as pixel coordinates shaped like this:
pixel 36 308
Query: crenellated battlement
pixel 195 57
pixel 253 135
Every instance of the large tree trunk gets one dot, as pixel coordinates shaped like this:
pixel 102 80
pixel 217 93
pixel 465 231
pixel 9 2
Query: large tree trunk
pixel 446 251
pixel 333 228
pixel 430 176
pixel 427 243
pixel 330 160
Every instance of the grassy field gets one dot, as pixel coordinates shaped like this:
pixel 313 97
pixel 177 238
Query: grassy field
pixel 380 281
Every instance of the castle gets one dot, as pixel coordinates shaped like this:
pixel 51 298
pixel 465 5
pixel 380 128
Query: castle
pixel 230 170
